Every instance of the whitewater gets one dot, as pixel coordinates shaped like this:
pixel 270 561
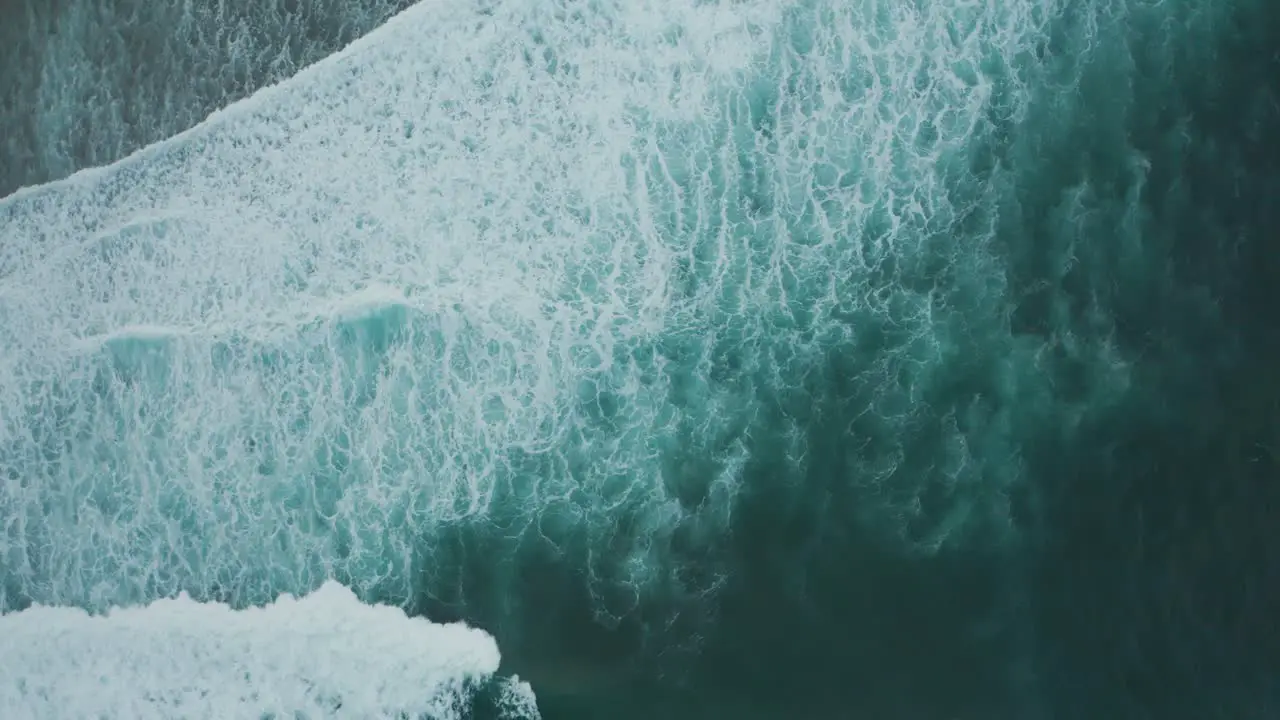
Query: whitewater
pixel 325 655
pixel 402 296
pixel 559 328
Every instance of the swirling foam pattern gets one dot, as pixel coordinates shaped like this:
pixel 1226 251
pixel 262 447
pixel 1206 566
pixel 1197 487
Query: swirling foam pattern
pixel 404 292
pixel 648 300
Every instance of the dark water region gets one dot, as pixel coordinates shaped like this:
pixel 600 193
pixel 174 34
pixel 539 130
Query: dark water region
pixel 1134 380
pixel 1154 576
pixel 1145 582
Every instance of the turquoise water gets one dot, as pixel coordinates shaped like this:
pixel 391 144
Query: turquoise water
pixel 741 359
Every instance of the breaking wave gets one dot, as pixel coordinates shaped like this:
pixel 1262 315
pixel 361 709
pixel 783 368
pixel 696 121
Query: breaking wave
pixel 652 337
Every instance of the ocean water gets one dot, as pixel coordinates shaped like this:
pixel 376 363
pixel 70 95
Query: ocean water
pixel 86 82
pixel 707 359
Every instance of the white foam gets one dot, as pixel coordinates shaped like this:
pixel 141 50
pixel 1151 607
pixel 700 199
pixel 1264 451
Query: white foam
pixel 326 655
pixel 430 154
pixel 508 264
pixel 458 175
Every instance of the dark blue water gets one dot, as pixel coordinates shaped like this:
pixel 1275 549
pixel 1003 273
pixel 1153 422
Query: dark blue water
pixel 971 420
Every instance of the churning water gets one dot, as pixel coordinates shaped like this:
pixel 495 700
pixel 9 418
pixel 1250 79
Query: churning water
pixel 883 359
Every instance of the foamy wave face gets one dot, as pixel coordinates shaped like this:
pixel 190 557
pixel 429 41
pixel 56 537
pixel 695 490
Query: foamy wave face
pixel 325 655
pixel 86 82
pixel 541 272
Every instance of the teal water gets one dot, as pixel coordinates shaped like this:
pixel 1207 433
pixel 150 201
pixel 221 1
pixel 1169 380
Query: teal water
pixel 86 82
pixel 745 359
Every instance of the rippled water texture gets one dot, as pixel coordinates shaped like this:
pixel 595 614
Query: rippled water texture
pixel 862 359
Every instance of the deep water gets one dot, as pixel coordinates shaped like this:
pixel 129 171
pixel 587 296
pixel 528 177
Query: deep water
pixel 872 359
